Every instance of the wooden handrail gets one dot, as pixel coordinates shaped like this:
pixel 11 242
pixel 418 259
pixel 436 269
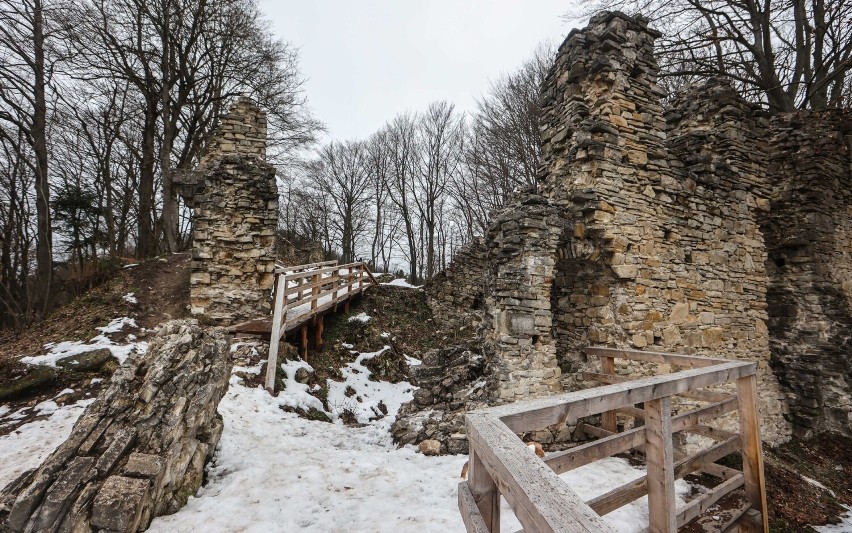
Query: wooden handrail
pixel 542 502
pixel 340 288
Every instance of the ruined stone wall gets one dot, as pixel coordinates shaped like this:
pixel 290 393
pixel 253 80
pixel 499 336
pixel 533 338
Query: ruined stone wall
pixel 456 295
pixel 235 220
pixel 809 236
pixel 665 251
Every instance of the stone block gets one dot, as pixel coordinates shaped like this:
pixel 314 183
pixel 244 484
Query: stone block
pixel 119 503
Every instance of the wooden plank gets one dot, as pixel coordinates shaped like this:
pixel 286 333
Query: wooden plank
pixel 590 452
pixel 275 337
pixel 700 505
pixel 608 446
pixel 318 331
pixel 370 274
pixel 659 454
pixel 326 270
pixel 471 516
pixel 283 269
pixel 628 492
pixel 485 493
pixel 315 290
pixel 700 395
pixel 595 431
pixel 304 343
pixel 755 484
pixel 719 471
pixel 608 418
pixel 710 432
pixel 541 501
pixel 558 409
pixel 629 410
pixel 688 361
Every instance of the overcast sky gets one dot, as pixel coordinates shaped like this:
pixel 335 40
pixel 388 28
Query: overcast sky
pixel 368 60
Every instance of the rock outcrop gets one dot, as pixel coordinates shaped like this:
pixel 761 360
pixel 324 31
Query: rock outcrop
pixel 140 449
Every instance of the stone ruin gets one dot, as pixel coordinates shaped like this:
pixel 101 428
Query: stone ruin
pixel 235 219
pixel 703 227
pixel 139 450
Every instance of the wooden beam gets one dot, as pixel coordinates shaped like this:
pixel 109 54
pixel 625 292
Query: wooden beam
pixel 542 502
pixel 557 409
pixel 608 418
pixel 700 395
pixel 755 484
pixel 688 361
pixel 628 492
pixel 590 452
pixel 659 454
pixel 610 445
pixel 701 504
pixel 318 331
pixel 283 269
pixel 485 493
pixel 369 273
pixel 473 521
pixel 304 342
pixel 275 337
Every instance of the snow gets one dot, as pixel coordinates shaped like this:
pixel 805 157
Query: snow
pixel 412 361
pixel 30 444
pixel 64 349
pixel 296 394
pixel 131 265
pixel 400 282
pixel 360 317
pixel 371 393
pixel 845 525
pixel 130 298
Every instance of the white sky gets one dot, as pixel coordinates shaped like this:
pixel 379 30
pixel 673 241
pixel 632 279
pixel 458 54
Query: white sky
pixel 368 60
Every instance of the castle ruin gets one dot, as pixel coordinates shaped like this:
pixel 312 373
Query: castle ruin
pixel 704 226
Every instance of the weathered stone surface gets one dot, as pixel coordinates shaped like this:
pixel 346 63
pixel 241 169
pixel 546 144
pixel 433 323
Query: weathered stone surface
pixel 86 361
pixel 157 416
pixel 235 221
pixel 702 228
pixel 119 503
pixel 430 447
pixel 35 376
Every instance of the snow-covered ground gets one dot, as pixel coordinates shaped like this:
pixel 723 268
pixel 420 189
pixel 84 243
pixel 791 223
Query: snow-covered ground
pixel 30 444
pixel 275 471
pixel 121 351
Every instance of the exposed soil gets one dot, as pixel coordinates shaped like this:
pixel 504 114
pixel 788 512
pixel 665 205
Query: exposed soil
pixel 160 287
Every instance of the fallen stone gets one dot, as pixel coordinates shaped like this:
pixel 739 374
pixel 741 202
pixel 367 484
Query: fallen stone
pixel 430 447
pixel 35 376
pixel 86 361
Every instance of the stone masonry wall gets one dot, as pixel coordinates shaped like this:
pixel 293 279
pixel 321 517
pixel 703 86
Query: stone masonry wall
pixel 235 221
pixel 456 295
pixel 665 250
pixel 809 236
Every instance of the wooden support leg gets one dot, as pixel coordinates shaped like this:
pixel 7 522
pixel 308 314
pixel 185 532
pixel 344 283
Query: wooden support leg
pixel 305 343
pixel 346 307
pixel 608 420
pixel 485 493
pixel 318 332
pixel 660 457
pixel 752 452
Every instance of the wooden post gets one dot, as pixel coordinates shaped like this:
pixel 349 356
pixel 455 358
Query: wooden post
pixel 299 285
pixel 318 332
pixel 361 275
pixel 335 282
pixel 608 419
pixel 315 290
pixel 752 452
pixel 659 454
pixel 485 493
pixel 346 306
pixel 304 343
pixel 275 334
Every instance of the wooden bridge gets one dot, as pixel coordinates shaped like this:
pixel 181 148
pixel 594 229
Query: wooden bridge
pixel 303 295
pixel 500 464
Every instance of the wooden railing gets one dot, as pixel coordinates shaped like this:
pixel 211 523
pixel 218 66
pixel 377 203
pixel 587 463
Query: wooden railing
pixel 306 291
pixel 500 464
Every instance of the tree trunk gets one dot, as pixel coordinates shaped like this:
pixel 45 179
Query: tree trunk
pixel 44 244
pixel 146 245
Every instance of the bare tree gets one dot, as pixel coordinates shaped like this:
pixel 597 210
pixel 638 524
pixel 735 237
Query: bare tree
pixel 790 54
pixel 402 146
pixel 26 69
